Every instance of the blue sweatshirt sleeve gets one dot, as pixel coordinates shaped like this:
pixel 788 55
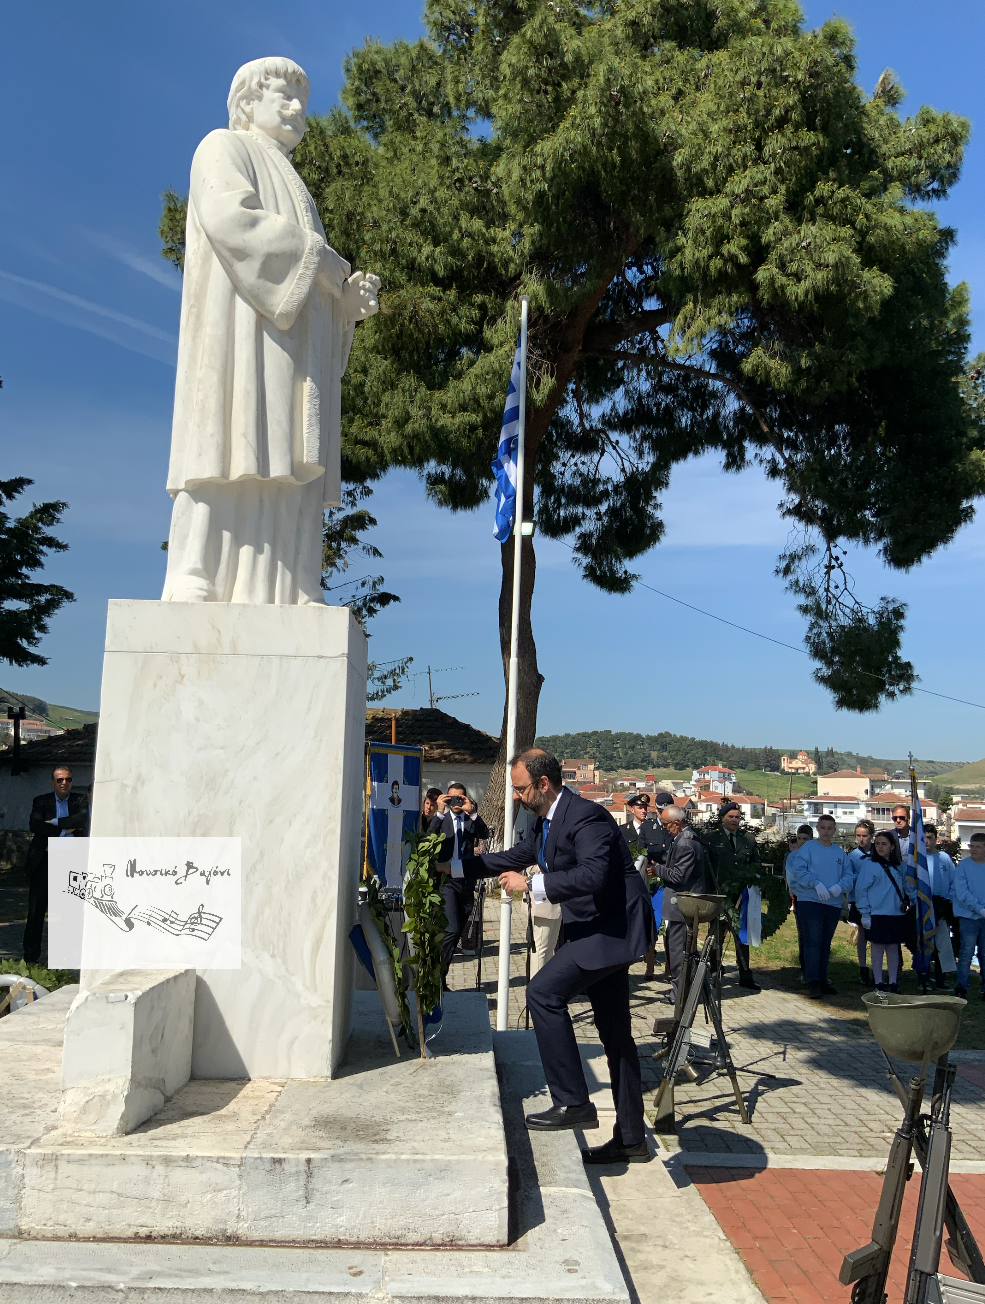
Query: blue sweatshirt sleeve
pixel 863 887
pixel 799 871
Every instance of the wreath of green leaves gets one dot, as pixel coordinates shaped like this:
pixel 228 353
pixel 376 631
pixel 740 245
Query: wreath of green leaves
pixel 424 920
pixel 773 889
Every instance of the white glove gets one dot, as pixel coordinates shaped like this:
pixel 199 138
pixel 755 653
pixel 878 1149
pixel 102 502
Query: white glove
pixel 836 890
pixel 822 892
pixel 982 913
pixel 866 922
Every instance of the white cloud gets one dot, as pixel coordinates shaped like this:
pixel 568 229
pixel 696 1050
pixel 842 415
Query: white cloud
pixel 155 268
pixel 71 310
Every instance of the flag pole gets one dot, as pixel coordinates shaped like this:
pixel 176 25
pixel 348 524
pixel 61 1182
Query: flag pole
pixel 506 900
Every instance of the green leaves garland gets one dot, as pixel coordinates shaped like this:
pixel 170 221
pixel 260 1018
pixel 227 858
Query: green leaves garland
pixel 381 919
pixel 425 920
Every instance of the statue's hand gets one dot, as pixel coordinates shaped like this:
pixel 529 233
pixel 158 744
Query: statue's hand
pixel 333 272
pixel 360 297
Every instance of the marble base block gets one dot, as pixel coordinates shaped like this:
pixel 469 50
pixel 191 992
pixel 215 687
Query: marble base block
pixel 227 720
pixel 128 1046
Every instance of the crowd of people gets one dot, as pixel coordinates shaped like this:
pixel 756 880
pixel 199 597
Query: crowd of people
pixel 875 885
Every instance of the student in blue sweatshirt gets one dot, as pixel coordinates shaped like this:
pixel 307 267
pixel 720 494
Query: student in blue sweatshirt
pixel 882 899
pixel 865 831
pixel 969 906
pixel 819 875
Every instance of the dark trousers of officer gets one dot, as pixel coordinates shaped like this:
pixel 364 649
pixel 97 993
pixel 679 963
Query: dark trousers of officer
pixel 548 994
pixel 459 898
pixel 675 939
pixel 37 908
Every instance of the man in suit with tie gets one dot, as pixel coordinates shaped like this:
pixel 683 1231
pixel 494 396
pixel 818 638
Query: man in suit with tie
pixel 685 870
pixel 583 864
pixel 61 813
pixel 459 820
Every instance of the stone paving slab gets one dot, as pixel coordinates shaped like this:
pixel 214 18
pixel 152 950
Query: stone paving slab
pixel 814 1084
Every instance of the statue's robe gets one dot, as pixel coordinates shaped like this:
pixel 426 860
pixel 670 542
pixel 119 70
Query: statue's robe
pixel 255 443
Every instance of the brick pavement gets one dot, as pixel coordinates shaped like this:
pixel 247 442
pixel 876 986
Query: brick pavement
pixel 792 1228
pixel 828 1095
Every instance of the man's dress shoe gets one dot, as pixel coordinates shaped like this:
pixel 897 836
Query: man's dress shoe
pixel 614 1152
pixel 561 1117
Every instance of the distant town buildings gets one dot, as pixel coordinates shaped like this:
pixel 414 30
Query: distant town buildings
pixel 716 778
pixel 583 771
pixel 799 764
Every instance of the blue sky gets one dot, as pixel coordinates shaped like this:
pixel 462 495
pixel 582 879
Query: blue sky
pixel 119 98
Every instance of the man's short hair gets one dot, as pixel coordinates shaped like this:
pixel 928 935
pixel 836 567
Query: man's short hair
pixel 977 837
pixel 827 819
pixel 675 812
pixel 930 828
pixel 460 786
pixel 432 794
pixel 806 828
pixel 904 809
pixel 539 765
pixel 67 768
pixel 249 81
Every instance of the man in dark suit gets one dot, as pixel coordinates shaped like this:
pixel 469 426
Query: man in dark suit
pixel 61 813
pixel 459 820
pixel 647 832
pixel 585 867
pixel 685 870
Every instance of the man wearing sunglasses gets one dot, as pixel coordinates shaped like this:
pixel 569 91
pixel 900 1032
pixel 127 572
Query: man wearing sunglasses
pixel 575 856
pixel 901 827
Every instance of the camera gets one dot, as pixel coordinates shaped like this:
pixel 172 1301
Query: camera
pixel 455 801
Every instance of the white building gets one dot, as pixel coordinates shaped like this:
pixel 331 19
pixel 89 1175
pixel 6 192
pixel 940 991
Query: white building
pixel 714 778
pixel 966 820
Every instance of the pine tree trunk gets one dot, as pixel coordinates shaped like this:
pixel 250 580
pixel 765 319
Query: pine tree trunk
pixel 529 680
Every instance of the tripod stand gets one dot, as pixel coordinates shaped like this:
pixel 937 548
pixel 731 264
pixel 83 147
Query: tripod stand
pixel 696 987
pixel 937 1208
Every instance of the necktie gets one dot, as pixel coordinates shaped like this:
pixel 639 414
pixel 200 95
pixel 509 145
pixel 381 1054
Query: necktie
pixel 458 836
pixel 731 838
pixel 541 853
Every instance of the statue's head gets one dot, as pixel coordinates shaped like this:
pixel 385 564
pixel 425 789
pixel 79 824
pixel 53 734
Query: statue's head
pixel 270 96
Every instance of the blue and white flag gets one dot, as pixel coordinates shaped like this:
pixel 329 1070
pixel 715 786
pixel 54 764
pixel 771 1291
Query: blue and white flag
pixel 393 807
pixel 504 463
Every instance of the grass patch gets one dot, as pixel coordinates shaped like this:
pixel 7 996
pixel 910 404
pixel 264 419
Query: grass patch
pixel 775 787
pixel 777 961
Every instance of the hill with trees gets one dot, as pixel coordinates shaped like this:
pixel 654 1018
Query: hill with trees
pixel 669 751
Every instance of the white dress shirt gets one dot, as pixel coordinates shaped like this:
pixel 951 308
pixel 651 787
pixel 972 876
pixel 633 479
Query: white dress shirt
pixel 537 881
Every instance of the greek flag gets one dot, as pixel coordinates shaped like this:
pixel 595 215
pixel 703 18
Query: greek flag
pixel 504 463
pixel 393 807
pixel 918 884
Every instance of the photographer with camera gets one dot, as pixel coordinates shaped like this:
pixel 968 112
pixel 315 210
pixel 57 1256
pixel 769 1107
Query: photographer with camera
pixel 459 820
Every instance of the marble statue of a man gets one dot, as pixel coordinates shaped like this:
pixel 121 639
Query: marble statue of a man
pixel 267 314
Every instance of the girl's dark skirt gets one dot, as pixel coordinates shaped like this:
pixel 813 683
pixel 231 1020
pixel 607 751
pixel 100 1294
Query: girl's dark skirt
pixel 887 929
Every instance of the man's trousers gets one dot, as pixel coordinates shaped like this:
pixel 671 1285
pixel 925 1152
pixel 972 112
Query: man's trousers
pixel 676 943
pixel 561 979
pixel 546 927
pixel 459 898
pixel 37 908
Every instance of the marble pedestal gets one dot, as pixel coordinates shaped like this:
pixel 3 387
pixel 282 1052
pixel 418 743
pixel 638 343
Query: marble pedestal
pixel 246 721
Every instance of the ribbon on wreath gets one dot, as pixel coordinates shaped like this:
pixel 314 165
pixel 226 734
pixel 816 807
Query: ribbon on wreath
pixel 751 917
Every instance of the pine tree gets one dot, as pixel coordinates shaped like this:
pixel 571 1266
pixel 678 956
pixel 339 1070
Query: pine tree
pixel 727 246
pixel 27 606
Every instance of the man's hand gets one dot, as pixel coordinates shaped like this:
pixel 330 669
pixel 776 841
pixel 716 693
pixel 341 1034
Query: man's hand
pixel 511 881
pixel 360 296
pixel 333 272
pixel 443 866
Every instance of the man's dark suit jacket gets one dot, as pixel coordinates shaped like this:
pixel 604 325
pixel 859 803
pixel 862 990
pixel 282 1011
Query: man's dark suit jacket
pixel 608 918
pixel 685 870
pixel 473 827
pixel 652 836
pixel 43 809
